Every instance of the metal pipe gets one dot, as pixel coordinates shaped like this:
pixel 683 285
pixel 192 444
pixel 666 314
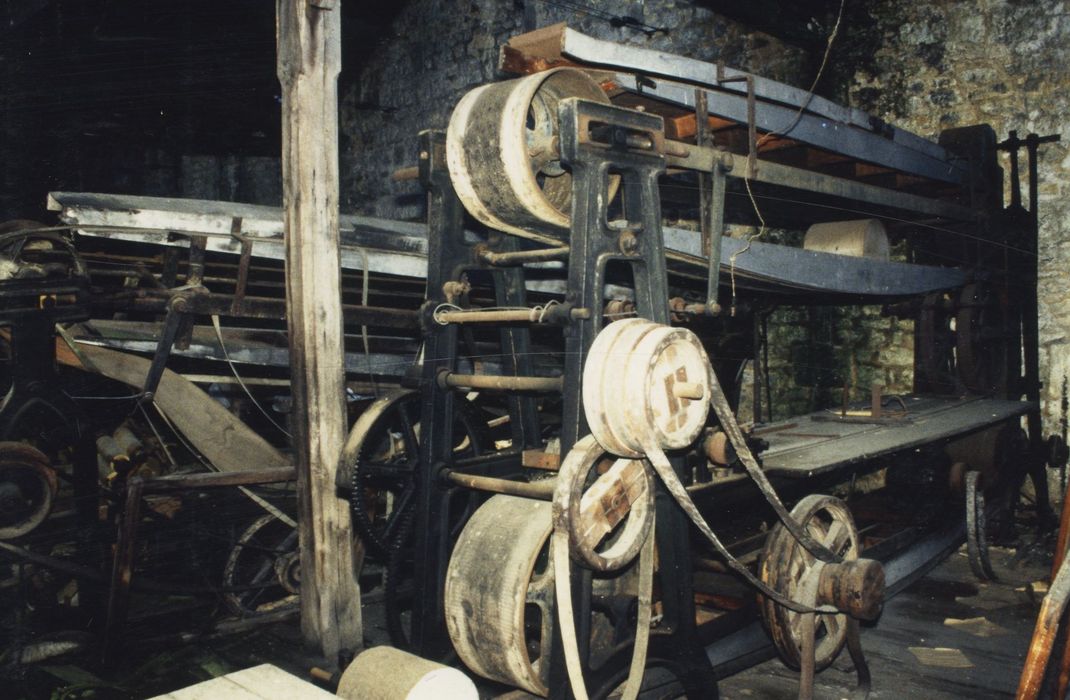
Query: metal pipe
pixel 519 257
pixel 498 383
pixel 542 489
pixel 533 315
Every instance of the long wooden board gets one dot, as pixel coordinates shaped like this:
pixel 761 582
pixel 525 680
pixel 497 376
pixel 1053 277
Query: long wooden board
pixel 220 436
pixel 804 447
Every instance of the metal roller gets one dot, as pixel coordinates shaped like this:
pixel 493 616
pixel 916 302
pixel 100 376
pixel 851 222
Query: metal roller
pixel 500 568
pixel 642 377
pixel 503 154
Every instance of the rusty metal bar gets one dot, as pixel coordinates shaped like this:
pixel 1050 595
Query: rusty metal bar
pixel 519 257
pixel 122 569
pixel 534 315
pixel 179 482
pixel 268 308
pixel 498 383
pixel 542 490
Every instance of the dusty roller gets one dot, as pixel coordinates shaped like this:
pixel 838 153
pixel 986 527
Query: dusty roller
pixel 501 566
pixel 503 155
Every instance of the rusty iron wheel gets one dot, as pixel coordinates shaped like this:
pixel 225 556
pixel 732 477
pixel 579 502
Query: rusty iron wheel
pixel 787 567
pixel 381 456
pixel 28 485
pixel 262 573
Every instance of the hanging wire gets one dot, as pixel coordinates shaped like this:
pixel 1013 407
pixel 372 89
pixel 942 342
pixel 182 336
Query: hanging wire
pixel 234 369
pixel 772 134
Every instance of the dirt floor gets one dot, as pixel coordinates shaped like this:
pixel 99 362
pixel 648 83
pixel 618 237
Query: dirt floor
pixel 947 636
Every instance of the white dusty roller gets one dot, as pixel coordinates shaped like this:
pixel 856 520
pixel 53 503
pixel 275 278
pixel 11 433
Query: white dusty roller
pixel 862 238
pixel 502 149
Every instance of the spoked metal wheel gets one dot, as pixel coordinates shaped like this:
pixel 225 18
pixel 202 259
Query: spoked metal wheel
pixel 263 571
pixel 787 567
pixel 381 455
pixel 27 486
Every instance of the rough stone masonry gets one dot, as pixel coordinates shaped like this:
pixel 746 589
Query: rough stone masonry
pixel 922 66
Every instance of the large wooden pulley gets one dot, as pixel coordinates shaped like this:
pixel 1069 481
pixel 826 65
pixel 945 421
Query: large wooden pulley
pixel 645 381
pixel 502 149
pixel 606 504
pixel 28 485
pixel 788 568
pixel 499 593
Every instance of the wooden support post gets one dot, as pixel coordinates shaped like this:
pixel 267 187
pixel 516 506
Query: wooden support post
pixel 309 58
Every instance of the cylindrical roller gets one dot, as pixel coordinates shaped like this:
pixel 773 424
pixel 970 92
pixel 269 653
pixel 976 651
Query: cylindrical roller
pixel 861 238
pixel 499 593
pixel 642 377
pixel 503 153
pixel 386 673
pixel 27 486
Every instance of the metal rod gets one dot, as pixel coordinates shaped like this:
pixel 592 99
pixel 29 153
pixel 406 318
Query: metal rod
pixel 703 159
pixel 519 257
pixel 542 489
pixel 499 383
pixel 533 315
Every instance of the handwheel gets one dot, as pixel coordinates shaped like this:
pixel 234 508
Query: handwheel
pixel 608 504
pixel 381 455
pixel 787 567
pixel 263 571
pixel 27 486
pixel 503 155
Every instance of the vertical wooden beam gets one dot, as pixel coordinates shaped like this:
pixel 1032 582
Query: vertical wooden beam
pixel 309 53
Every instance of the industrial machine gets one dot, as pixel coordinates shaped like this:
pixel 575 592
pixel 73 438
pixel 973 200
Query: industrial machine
pixel 534 465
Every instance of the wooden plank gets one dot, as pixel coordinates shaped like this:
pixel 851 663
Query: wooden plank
pixel 219 435
pixel 272 682
pixel 814 447
pixel 309 59
pixel 221 688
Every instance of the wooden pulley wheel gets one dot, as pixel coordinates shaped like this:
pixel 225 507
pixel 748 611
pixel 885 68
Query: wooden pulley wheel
pixel 787 567
pixel 602 499
pixel 502 149
pixel 28 485
pixel 643 381
pixel 499 593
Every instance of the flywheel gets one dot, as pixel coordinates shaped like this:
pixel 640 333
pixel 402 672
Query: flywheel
pixel 503 152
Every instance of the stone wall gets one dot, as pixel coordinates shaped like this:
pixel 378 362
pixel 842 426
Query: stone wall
pixel 440 49
pixel 1007 63
pixel 922 66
